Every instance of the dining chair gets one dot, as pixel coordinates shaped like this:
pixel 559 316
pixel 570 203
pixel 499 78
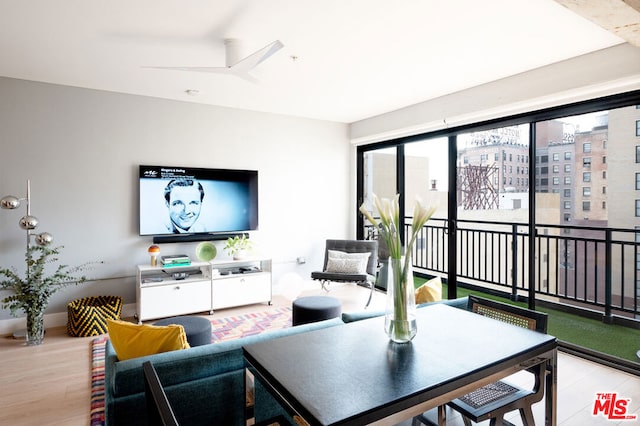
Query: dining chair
pixel 493 401
pixel 349 261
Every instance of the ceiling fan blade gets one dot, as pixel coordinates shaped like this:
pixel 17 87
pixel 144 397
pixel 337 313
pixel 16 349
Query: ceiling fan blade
pixel 221 70
pixel 240 68
pixel 256 58
pixel 213 70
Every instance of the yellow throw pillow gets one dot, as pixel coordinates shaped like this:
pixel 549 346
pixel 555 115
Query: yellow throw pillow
pixel 431 291
pixel 132 340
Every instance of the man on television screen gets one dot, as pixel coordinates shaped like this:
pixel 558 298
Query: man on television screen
pixel 183 198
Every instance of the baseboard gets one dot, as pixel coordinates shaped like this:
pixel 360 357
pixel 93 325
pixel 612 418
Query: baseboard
pixel 58 319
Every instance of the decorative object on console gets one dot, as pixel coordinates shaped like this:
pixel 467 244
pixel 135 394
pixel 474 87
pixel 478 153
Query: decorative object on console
pixel 31 294
pixel 175 260
pixel 154 251
pixel 238 247
pixel 400 323
pixel 206 251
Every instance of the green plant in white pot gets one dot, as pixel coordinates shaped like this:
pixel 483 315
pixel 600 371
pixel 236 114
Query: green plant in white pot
pixel 31 293
pixel 238 247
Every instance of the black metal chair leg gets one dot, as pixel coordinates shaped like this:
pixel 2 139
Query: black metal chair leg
pixel 370 295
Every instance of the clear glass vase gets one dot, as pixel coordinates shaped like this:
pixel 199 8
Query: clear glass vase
pixel 400 316
pixel 35 328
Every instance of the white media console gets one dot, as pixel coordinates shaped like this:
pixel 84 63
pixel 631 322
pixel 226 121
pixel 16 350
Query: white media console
pixel 164 292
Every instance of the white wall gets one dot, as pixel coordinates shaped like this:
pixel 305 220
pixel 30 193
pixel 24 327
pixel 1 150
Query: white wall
pixel 601 73
pixel 81 150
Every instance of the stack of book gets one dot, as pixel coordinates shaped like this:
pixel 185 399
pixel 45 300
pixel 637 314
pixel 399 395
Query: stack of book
pixel 175 260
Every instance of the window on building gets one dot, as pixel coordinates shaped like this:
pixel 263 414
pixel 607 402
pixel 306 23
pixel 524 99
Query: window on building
pixel 586 147
pixel 638 241
pixel 556 180
pixel 637 180
pixel 567 217
pixel 567 180
pixel 556 156
pixel 567 168
pixel 637 127
pixel 604 205
pixel 604 159
pixel 604 144
pixel 637 208
pixel 604 189
pixel 637 153
pixel 604 174
pixel 586 177
pixel 567 155
pixel 586 162
pixel 544 170
pixel 544 158
pixel 556 169
pixel 465 160
pixel 496 156
pixel 586 206
pixel 484 157
pixel 567 205
pixel 586 191
pixel 567 193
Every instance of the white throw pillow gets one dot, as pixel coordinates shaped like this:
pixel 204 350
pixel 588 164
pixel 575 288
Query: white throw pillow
pixel 347 263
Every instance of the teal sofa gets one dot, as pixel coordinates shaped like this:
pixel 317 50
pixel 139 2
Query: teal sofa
pixel 205 384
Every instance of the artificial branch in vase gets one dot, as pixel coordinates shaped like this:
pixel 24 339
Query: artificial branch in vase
pixel 32 292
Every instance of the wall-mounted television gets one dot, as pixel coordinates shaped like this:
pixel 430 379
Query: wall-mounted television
pixel 187 200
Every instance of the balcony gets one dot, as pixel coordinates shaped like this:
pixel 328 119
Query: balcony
pixel 586 278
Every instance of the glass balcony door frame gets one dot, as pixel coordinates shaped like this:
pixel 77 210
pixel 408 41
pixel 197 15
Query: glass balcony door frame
pixel 583 107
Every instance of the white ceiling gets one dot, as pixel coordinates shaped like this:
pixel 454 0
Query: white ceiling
pixel 355 58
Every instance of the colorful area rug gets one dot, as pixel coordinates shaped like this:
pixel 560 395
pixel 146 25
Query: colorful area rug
pixel 222 329
pixel 247 325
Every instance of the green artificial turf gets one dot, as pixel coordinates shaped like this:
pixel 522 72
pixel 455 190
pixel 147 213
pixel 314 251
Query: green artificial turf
pixel 622 342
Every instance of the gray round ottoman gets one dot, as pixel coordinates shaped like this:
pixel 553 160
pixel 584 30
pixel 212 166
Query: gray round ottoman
pixel 197 329
pixel 315 308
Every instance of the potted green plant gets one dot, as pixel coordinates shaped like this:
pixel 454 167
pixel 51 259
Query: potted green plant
pixel 31 293
pixel 238 247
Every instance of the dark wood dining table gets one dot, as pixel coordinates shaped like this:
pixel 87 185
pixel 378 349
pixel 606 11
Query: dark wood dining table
pixel 352 374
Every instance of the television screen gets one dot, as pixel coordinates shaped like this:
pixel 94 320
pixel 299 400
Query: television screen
pixel 186 200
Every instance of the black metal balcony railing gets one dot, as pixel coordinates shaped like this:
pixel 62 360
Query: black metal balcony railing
pixel 589 267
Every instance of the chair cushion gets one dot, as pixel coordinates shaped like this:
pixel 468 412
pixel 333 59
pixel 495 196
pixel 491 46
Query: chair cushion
pixel 431 291
pixel 347 263
pixel 132 340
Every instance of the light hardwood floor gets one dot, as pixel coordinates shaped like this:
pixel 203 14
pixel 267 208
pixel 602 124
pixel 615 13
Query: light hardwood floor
pixel 50 384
